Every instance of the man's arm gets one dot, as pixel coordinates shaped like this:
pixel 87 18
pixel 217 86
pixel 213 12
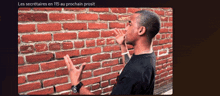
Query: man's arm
pixel 84 91
pixel 126 57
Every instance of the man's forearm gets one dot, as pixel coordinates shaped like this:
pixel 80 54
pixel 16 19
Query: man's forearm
pixel 84 91
pixel 126 57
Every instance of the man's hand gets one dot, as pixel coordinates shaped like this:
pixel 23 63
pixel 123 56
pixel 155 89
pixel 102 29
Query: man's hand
pixel 120 37
pixel 75 74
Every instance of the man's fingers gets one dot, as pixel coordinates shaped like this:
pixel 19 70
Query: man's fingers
pixel 70 63
pixel 116 32
pixel 67 63
pixel 82 66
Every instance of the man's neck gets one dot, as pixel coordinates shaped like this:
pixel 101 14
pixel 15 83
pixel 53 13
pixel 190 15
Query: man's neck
pixel 143 47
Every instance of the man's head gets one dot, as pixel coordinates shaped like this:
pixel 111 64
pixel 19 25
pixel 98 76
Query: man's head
pixel 142 24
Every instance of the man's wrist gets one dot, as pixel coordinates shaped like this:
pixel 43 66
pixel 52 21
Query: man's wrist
pixel 74 84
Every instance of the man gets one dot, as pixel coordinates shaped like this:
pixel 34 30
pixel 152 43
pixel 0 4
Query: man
pixel 138 75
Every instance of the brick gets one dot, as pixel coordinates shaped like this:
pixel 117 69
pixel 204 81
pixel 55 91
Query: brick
pixel 91 34
pixel 155 48
pixel 49 27
pixel 26 28
pixel 97 92
pixel 168 77
pixel 163 18
pixel 163 36
pixel 27 49
pixel 64 36
pixel 97 25
pixel 161 62
pixel 91 81
pixel 116 25
pixel 90 43
pixel 170 18
pixel 157 36
pixel 104 84
pixel 99 9
pixel 74 9
pixel 36 38
pixel 168 13
pixel 79 44
pixel 42 75
pixel 66 93
pixel 19 40
pixel 101 71
pixel 157 77
pixel 159 67
pixel 95 86
pixel 44 91
pixel 107 17
pixel 168 35
pixel 107 89
pixel 32 17
pixel 24 9
pixel 41 47
pixel 63 87
pixel 163 30
pixel 61 72
pixel 80 60
pixel 163 74
pixel 92 66
pixel 170 30
pixel 123 17
pixel 118 67
pixel 39 57
pixel 163 41
pixel 29 86
pixel 91 51
pixel 155 42
pixel 113 81
pixel 110 63
pixel 159 12
pixel 67 45
pixel 169 59
pixel 61 16
pixel 64 53
pixel 118 10
pixel 110 41
pixel 86 74
pixel 100 42
pixel 159 81
pixel 28 68
pixel 21 79
pixel 162 52
pixel 75 26
pixel 85 16
pixel 47 9
pixel 58 80
pixel 167 45
pixel 52 65
pixel 111 48
pixel 133 10
pixel 116 54
pixel 171 72
pixel 107 33
pixel 100 57
pixel 168 24
pixel 169 68
pixel 160 71
pixel 20 60
pixel 54 46
pixel 110 76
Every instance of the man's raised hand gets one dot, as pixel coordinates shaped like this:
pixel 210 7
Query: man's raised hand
pixel 120 36
pixel 74 73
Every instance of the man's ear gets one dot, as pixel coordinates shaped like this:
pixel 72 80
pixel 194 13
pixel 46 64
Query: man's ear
pixel 142 30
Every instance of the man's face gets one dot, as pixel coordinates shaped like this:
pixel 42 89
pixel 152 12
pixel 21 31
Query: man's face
pixel 131 34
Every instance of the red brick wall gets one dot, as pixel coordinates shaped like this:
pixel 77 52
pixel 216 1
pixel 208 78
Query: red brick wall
pixel 45 35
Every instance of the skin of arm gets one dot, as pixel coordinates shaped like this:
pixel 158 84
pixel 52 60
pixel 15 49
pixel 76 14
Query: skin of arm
pixel 126 57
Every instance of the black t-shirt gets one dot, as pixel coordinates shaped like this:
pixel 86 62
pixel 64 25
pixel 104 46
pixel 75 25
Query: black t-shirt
pixel 137 77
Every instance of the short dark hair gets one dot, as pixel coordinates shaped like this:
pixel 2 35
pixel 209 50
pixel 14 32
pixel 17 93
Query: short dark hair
pixel 150 21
